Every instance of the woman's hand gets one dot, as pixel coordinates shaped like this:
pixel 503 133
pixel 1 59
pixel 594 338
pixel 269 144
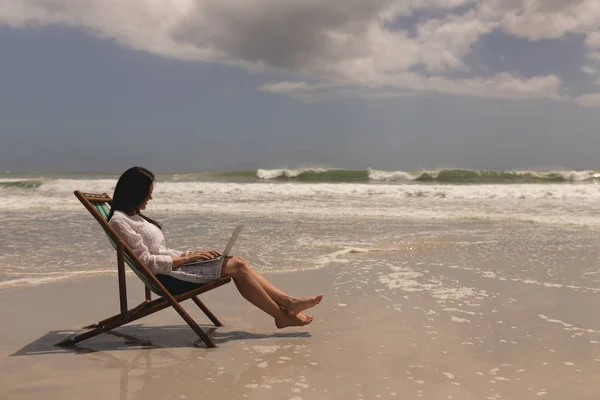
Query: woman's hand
pixel 203 255
pixel 191 256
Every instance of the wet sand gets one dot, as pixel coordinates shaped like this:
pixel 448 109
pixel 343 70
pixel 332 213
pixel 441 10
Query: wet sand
pixel 384 332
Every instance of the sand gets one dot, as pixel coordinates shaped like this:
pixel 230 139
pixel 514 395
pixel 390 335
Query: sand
pixel 375 336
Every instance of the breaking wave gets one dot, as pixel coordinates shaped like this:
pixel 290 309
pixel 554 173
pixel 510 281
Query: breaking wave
pixel 450 176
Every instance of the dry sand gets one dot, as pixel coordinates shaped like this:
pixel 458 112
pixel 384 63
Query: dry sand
pixel 368 342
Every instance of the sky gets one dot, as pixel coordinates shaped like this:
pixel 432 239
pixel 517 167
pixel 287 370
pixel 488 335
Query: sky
pixel 215 85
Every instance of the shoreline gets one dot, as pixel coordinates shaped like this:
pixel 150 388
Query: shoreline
pixel 113 272
pixel 110 259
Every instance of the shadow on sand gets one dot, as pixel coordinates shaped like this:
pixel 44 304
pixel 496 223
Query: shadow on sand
pixel 135 337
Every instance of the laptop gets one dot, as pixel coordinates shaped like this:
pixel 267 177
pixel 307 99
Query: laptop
pixel 224 254
pixel 230 242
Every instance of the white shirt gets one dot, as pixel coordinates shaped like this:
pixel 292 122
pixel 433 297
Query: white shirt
pixel 146 241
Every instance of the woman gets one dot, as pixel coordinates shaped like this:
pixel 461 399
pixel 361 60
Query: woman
pixel 145 238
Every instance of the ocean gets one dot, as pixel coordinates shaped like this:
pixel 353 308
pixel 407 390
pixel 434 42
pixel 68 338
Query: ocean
pixel 315 218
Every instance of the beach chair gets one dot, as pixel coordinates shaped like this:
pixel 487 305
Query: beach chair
pixel 99 206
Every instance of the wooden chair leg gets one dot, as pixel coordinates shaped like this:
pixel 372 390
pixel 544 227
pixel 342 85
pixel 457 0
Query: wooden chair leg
pixel 117 323
pixel 150 308
pixel 132 315
pixel 90 334
pixel 206 311
pixel 186 317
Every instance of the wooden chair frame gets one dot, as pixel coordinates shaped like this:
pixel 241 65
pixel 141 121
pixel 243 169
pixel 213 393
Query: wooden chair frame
pixel 148 306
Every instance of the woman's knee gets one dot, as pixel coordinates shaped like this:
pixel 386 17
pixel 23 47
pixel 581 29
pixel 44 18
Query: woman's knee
pixel 236 266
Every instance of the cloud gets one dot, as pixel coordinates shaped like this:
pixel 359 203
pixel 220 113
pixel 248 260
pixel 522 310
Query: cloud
pixel 450 39
pixel 409 84
pixel 401 8
pixel 346 46
pixel 589 100
pixel 593 40
pixel 586 69
pixel 286 87
pixel 312 93
pixel 543 19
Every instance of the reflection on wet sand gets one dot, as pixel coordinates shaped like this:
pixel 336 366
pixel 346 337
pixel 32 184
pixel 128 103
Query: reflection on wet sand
pixel 154 368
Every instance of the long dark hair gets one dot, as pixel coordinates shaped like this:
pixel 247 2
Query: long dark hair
pixel 132 189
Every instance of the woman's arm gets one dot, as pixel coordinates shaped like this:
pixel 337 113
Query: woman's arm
pixel 157 263
pixel 195 256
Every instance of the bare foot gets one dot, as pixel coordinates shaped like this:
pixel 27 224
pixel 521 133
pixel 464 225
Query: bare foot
pixel 293 320
pixel 299 305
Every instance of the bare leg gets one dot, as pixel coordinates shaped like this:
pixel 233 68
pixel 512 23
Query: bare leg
pixel 293 305
pixel 281 298
pixel 251 289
